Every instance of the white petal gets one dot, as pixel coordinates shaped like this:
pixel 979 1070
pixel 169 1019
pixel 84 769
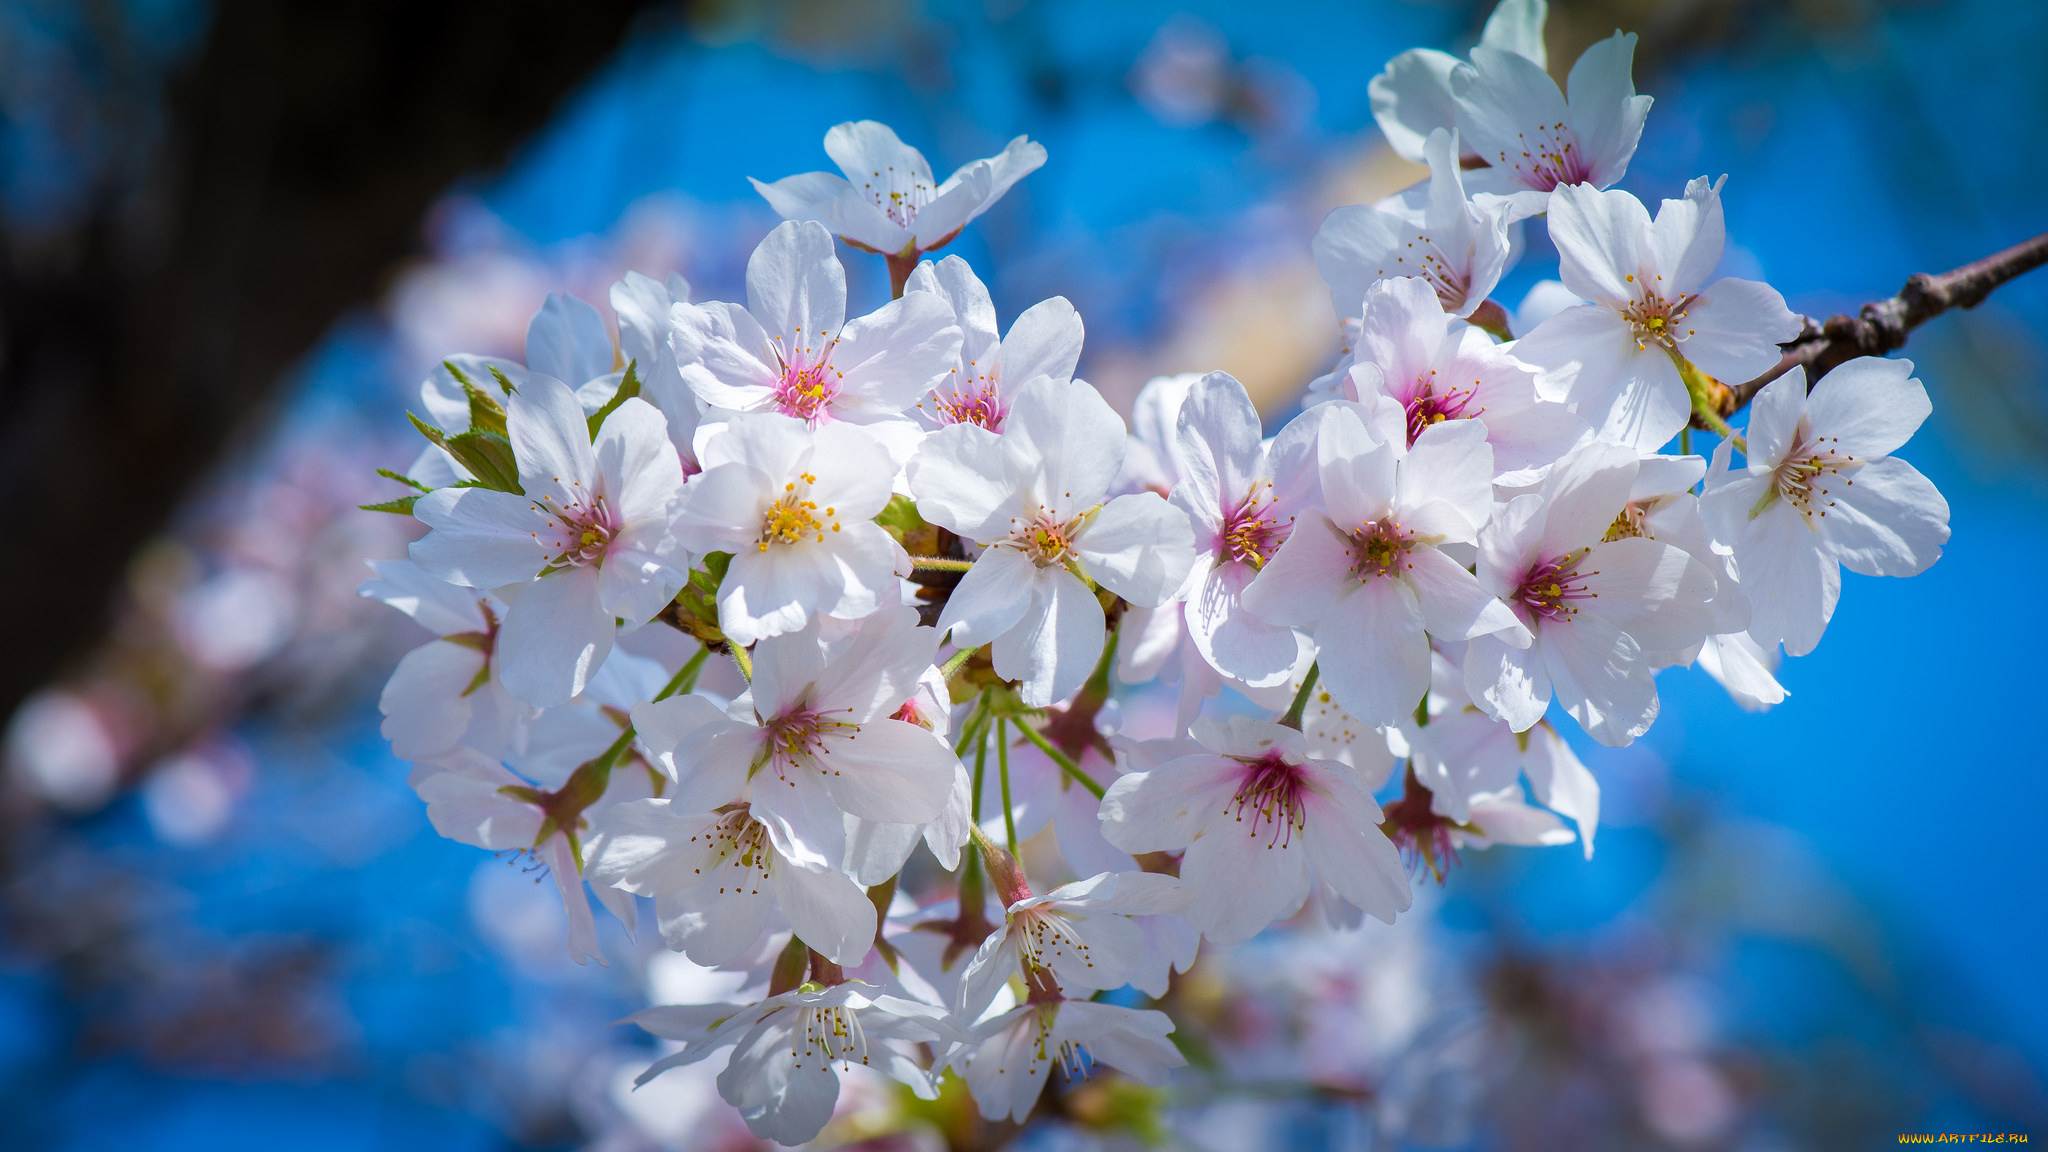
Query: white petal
pixel 555 638
pixel 1374 655
pixel 796 288
pixel 567 340
pixel 826 909
pixel 1884 519
pixel 1139 547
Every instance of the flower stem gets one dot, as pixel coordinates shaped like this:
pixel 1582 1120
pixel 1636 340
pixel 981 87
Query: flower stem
pixel 1003 766
pixel 1300 705
pixel 941 563
pixel 955 662
pixel 746 662
pixel 967 727
pixel 1060 758
pixel 1707 394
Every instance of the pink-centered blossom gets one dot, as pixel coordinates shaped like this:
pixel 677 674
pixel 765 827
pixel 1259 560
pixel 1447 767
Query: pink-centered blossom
pixel 1367 574
pixel 1044 340
pixel 1257 823
pixel 792 351
pixel 590 542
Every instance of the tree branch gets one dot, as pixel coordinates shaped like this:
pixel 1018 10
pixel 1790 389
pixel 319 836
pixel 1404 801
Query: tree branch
pixel 1882 325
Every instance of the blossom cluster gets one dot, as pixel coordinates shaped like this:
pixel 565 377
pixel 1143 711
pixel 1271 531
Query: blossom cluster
pixel 939 558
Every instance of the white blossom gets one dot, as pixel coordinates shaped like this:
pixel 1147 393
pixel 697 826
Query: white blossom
pixel 887 202
pixel 1044 340
pixel 1257 821
pixel 1368 574
pixel 1651 308
pixel 589 541
pixel 1822 490
pixel 1594 606
pixel 1535 138
pixel 1034 500
pixel 794 505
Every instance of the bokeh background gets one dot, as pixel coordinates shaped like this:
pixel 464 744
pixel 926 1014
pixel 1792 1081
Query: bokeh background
pixel 236 235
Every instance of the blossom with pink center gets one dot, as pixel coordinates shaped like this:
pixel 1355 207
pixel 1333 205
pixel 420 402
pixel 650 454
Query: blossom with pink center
pixel 1242 496
pixel 1535 138
pixel 1412 352
pixel 590 541
pixel 1430 232
pixel 1617 360
pixel 1044 340
pixel 1258 823
pixel 791 349
pixel 1822 490
pixel 1033 499
pixel 822 743
pixel 888 201
pixel 1596 607
pixel 1367 575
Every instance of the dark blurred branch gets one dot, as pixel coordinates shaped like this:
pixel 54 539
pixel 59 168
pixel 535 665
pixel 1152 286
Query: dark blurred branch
pixel 1882 325
pixel 300 154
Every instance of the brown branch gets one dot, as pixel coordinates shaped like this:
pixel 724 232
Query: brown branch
pixel 1882 325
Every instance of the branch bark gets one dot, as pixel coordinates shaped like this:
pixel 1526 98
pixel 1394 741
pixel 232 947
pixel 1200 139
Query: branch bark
pixel 1882 325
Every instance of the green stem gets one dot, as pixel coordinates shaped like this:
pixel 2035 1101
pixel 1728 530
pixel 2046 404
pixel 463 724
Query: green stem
pixel 967 726
pixel 746 662
pixel 941 563
pixel 955 662
pixel 1300 705
pixel 1003 766
pixel 980 770
pixel 1060 758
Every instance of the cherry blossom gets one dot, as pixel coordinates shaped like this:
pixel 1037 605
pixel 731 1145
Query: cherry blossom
pixel 1044 340
pixel 788 1050
pixel 1593 605
pixel 589 541
pixel 1258 821
pixel 1368 575
pixel 1822 490
pixel 821 744
pixel 1243 497
pixel 716 879
pixel 1414 353
pixel 791 349
pixel 888 202
pixel 1033 499
pixel 794 507
pixel 1079 937
pixel 1535 138
pixel 1431 232
pixel 1653 313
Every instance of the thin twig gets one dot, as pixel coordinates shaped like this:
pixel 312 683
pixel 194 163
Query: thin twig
pixel 1882 325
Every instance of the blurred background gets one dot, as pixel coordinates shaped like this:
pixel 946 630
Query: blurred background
pixel 234 236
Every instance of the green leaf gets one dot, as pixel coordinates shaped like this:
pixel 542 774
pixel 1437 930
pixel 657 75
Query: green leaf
pixel 402 506
pixel 485 413
pixel 502 382
pixel 488 456
pixel 629 387
pixel 408 481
